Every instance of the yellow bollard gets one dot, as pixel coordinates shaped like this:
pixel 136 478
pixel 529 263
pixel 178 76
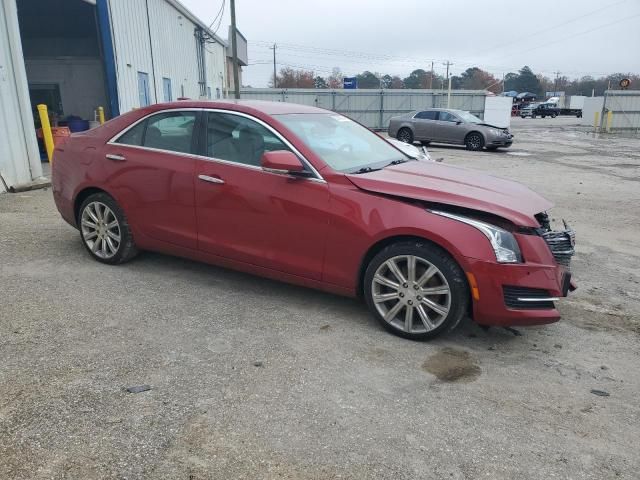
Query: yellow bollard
pixel 46 130
pixel 101 115
pixel 596 120
pixel 609 120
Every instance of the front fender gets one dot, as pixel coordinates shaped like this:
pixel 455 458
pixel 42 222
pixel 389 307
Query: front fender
pixel 358 225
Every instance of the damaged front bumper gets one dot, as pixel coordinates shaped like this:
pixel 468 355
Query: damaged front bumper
pixel 525 293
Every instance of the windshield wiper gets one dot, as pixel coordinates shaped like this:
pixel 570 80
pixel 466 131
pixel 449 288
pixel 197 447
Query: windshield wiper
pixel 399 161
pixel 366 170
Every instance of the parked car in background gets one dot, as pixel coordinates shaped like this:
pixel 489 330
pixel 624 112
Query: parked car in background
pixel 543 110
pixel 307 196
pixel 442 125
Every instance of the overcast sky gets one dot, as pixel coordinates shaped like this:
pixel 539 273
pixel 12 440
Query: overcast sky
pixel 575 37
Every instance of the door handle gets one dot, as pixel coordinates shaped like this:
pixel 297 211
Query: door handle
pixel 115 157
pixel 207 178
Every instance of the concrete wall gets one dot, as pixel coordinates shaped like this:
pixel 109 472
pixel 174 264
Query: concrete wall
pixel 81 81
pixel 19 158
pixel 159 41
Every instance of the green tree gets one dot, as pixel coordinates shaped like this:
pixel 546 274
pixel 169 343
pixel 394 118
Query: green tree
pixel 320 82
pixel 368 79
pixel 417 79
pixel 527 81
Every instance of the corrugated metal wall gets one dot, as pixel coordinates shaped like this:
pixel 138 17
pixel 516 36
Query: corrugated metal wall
pixel 625 105
pixel 19 159
pixel 169 35
pixel 372 108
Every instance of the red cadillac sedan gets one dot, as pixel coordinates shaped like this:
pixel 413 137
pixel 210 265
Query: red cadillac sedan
pixel 308 196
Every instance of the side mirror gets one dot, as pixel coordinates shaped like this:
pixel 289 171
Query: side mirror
pixel 282 162
pixel 459 122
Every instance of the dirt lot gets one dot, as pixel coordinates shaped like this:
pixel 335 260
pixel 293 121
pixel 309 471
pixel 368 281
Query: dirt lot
pixel 255 379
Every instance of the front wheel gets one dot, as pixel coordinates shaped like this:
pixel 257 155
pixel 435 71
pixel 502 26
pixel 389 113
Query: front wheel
pixel 105 231
pixel 474 141
pixel 405 135
pixel 416 290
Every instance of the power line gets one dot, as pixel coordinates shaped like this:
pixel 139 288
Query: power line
pixel 219 14
pixel 577 34
pixel 537 33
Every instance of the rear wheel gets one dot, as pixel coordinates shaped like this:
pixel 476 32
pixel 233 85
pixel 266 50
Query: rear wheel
pixel 105 231
pixel 405 135
pixel 416 290
pixel 474 141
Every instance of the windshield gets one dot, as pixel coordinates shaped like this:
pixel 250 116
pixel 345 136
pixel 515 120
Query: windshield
pixel 341 143
pixel 468 117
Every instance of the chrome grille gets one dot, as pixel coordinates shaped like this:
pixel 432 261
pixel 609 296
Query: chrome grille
pixel 561 245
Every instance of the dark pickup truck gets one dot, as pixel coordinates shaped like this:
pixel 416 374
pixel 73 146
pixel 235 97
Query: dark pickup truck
pixel 534 110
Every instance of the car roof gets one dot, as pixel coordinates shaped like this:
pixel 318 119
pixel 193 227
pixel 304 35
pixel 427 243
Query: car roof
pixel 247 106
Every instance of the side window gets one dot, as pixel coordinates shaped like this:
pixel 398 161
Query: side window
pixel 447 117
pixel 426 115
pixel 133 136
pixel 170 131
pixel 239 139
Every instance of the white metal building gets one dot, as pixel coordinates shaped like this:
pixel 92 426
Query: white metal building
pixel 76 55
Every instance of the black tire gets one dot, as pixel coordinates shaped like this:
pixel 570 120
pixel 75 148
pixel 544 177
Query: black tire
pixel 448 268
pixel 492 148
pixel 553 115
pixel 543 116
pixel 126 248
pixel 474 141
pixel 523 116
pixel 405 135
pixel 533 116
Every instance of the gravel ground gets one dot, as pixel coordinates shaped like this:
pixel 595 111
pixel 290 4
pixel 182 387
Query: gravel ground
pixel 251 378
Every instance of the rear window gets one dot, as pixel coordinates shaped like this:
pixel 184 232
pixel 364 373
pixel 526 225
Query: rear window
pixel 133 136
pixel 426 115
pixel 172 131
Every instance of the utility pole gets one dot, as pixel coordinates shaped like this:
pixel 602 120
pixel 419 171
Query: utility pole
pixel 555 88
pixel 234 49
pixel 275 77
pixel 448 64
pixel 431 77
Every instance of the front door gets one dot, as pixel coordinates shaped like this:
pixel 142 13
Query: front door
pixel 150 170
pixel 256 217
pixel 448 129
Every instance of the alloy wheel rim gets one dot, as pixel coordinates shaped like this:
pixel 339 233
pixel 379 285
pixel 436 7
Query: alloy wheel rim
pixel 404 136
pixel 411 294
pixel 474 140
pixel 100 230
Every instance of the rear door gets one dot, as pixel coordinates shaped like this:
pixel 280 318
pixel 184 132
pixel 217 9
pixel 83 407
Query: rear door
pixel 425 125
pixel 150 170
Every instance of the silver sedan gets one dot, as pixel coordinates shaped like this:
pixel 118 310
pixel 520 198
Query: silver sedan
pixel 442 125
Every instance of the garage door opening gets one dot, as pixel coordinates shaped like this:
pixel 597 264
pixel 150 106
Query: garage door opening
pixel 63 60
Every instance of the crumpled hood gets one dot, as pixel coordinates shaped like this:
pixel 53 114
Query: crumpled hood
pixel 446 184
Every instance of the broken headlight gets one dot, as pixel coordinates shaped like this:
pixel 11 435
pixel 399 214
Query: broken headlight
pixel 503 242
